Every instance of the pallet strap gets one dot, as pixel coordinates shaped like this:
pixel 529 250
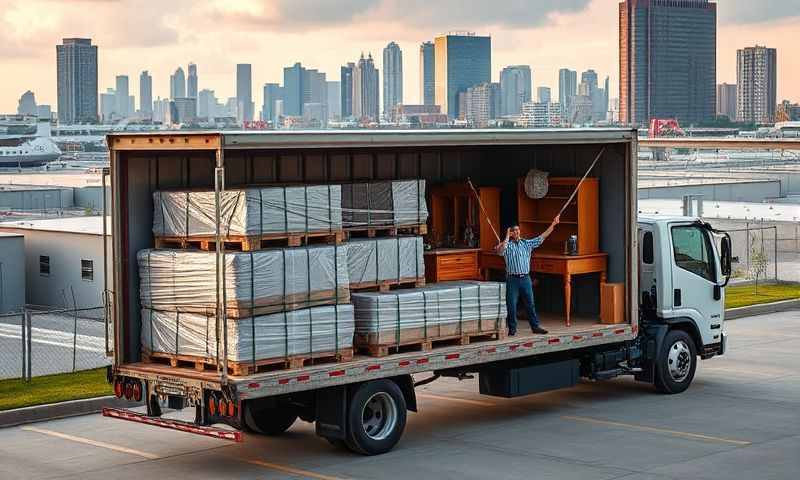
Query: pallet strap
pixel 336 296
pixel 186 224
pixel 425 314
pixel 480 309
pixel 397 332
pixel 285 315
pixel 460 312
pixel 177 329
pixel 285 211
pixel 308 300
pixel 253 306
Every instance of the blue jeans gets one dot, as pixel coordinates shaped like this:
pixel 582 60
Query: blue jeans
pixel 516 286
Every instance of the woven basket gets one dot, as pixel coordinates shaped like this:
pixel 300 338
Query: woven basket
pixel 536 184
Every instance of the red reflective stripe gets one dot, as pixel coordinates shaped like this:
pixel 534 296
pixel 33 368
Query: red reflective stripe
pixel 303 378
pixel 404 363
pixel 373 367
pixel 421 361
pixel 619 330
pixel 577 337
pixel 253 385
pixel 554 340
pixel 491 350
pixel 336 373
pixel 527 344
pixel 233 435
pixel 513 347
pixel 597 334
pixel 283 381
pixel 452 356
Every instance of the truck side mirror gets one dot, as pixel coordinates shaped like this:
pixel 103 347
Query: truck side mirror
pixel 725 256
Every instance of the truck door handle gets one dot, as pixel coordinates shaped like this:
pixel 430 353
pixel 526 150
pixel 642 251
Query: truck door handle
pixel 676 301
pixel 717 292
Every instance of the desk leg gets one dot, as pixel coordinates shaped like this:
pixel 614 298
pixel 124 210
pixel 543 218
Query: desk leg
pixel 567 296
pixel 603 278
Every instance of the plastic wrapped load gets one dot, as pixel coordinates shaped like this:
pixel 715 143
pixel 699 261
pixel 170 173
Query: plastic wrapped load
pixel 250 211
pixel 387 203
pixel 392 259
pixel 440 310
pixel 314 330
pixel 270 280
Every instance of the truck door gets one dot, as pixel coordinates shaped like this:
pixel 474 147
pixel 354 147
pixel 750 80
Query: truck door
pixel 696 293
pixel 648 270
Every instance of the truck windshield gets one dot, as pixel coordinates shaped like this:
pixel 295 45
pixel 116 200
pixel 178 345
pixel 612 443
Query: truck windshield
pixel 692 251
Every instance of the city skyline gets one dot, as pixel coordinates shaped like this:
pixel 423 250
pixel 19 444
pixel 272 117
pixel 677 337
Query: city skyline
pixel 547 42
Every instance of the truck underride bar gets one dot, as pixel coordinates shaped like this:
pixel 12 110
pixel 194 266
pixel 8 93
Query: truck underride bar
pixel 213 432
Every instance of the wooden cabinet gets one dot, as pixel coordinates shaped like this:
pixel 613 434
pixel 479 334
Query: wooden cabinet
pixel 445 264
pixel 580 217
pixel 453 207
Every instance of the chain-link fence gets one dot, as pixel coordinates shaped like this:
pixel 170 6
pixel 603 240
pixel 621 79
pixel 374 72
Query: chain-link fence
pixel 763 252
pixel 42 342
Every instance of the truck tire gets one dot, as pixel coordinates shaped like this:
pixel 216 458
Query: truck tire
pixel 676 363
pixel 269 421
pixel 376 417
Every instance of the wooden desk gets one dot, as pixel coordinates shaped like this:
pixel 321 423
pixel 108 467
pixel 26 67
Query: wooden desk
pixel 443 264
pixel 557 264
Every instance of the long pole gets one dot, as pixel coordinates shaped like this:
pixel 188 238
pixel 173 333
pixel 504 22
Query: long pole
pixel 575 192
pixel 480 204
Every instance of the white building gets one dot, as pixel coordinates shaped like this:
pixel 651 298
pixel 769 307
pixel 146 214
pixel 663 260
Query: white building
pixel 540 115
pixel 63 256
pixel 12 272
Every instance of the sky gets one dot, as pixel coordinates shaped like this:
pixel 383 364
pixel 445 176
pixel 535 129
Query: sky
pixel 159 36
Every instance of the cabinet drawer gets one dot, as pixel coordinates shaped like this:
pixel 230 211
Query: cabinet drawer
pixel 456 273
pixel 458 260
pixel 547 266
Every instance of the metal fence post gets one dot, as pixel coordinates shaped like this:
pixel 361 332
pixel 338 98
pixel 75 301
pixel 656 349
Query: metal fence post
pixel 74 330
pixel 29 321
pixel 775 231
pixel 24 345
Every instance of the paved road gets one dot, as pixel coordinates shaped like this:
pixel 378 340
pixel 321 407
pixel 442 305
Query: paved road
pixel 738 421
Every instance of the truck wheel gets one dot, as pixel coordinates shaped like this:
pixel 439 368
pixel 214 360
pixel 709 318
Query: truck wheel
pixel 269 421
pixel 676 363
pixel 376 417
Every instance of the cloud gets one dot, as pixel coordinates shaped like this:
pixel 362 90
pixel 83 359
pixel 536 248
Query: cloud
pixel 443 14
pixel 744 12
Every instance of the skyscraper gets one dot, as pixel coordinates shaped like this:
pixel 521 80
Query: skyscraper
pixel 726 100
pixel 244 93
pixel 481 103
pixel 567 88
pixel 206 104
pixel 365 89
pixel 346 86
pixel 427 73
pixel 334 100
pixel 515 88
pixel 543 94
pixel 272 93
pixel 314 87
pixel 294 88
pixel 122 89
pixel 76 60
pixel 462 60
pixel 146 94
pixel 108 105
pixel 756 80
pixel 177 84
pixel 27 104
pixel 392 77
pixel 191 81
pixel 667 59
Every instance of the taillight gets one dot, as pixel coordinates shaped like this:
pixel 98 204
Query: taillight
pixel 212 405
pixel 223 407
pixel 118 388
pixel 231 409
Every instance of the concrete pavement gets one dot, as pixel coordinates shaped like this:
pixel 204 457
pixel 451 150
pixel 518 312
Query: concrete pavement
pixel 738 420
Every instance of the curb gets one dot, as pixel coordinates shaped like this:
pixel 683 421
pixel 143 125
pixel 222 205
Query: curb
pixel 53 411
pixel 762 309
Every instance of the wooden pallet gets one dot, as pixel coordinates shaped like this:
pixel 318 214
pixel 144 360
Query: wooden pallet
pixel 387 285
pixel 386 231
pixel 244 368
pixel 425 344
pixel 249 243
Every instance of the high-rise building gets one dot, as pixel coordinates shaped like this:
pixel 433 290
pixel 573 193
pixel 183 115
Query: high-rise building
pixel 108 105
pixel 365 89
pixel 191 81
pixel 122 91
pixel 177 84
pixel 27 104
pixel 726 100
pixel 161 110
pixel 462 61
pixel 515 88
pixel 334 100
pixel 206 104
pixel 756 81
pixel 77 81
pixel 481 103
pixel 44 112
pixel 668 60
pixel 272 93
pixel 543 94
pixel 392 77
pixel 146 94
pixel 183 110
pixel 346 87
pixel 294 78
pixel 427 73
pixel 567 89
pixel 540 115
pixel 314 87
pixel 244 93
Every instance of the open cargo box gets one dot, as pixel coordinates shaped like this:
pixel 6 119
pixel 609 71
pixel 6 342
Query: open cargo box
pixel 144 163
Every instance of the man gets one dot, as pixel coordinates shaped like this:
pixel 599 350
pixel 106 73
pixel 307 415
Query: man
pixel 517 253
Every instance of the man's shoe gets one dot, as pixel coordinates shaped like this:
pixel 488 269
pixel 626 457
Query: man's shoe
pixel 539 330
pixel 511 333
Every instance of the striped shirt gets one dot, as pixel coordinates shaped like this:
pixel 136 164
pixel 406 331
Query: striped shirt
pixel 518 255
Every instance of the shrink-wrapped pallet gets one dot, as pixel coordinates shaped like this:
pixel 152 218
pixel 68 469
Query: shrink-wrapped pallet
pixel 391 259
pixel 438 310
pixel 269 280
pixel 386 203
pixel 317 330
pixel 249 211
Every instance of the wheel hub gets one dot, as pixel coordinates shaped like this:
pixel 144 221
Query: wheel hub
pixel 379 416
pixel 679 361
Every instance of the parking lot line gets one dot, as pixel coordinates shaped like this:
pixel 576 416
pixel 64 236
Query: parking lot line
pixel 466 401
pixel 645 428
pixel 95 443
pixel 291 470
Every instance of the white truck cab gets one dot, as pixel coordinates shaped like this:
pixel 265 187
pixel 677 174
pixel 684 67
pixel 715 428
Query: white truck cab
pixel 684 265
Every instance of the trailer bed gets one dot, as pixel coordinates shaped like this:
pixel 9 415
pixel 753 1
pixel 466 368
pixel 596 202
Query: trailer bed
pixel 584 332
